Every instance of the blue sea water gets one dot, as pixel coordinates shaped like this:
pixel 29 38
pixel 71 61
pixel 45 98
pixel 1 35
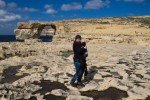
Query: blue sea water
pixel 7 38
pixel 12 38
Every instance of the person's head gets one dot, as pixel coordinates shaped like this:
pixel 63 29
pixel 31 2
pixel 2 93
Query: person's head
pixel 78 38
pixel 84 44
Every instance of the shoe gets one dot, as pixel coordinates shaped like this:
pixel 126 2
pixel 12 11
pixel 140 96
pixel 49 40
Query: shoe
pixel 80 84
pixel 73 84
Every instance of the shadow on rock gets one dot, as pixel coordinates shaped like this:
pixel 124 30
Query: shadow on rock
pixel 109 94
pixel 53 97
pixel 91 73
pixel 48 86
pixel 69 75
pixel 148 98
pixel 10 74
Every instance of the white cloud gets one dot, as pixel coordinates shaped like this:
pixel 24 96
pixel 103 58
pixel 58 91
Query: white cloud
pixel 2 4
pixel 8 17
pixel 12 5
pixel 50 9
pixel 2 13
pixel 96 4
pixel 26 9
pixel 72 6
pixel 48 6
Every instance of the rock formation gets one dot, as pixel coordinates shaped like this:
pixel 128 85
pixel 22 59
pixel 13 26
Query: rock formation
pixel 118 62
pixel 29 30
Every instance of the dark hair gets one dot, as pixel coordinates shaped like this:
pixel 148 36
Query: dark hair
pixel 83 43
pixel 78 37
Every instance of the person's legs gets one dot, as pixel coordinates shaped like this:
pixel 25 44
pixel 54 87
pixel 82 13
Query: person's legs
pixel 77 67
pixel 80 77
pixel 85 71
pixel 81 73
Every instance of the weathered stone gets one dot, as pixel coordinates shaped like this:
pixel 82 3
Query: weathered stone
pixel 74 97
pixel 22 25
pixel 22 34
pixel 59 92
pixel 74 92
pixel 1 54
pixel 91 86
pixel 34 30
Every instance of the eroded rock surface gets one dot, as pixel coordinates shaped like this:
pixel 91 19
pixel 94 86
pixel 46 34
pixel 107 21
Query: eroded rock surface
pixel 118 69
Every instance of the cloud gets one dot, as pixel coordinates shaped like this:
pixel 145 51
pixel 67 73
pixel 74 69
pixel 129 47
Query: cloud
pixel 72 6
pixel 12 5
pixel 5 15
pixel 96 4
pixel 26 9
pixel 48 6
pixel 50 9
pixel 2 13
pixel 2 4
pixel 8 17
pixel 138 1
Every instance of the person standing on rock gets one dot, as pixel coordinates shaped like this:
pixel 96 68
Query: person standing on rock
pixel 83 62
pixel 78 54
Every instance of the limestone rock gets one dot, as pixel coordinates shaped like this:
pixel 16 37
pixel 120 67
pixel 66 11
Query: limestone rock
pixel 22 34
pixel 1 54
pixel 90 86
pixel 74 97
pixel 22 25
pixel 59 92
pixel 74 92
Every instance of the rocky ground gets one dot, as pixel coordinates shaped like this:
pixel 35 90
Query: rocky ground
pixel 34 70
pixel 115 71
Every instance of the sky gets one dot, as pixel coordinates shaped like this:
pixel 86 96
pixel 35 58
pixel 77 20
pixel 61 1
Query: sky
pixel 13 11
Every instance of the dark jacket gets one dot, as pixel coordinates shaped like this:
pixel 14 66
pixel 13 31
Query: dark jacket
pixel 78 51
pixel 84 50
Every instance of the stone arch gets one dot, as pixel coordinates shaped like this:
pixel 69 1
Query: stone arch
pixel 48 28
pixel 32 30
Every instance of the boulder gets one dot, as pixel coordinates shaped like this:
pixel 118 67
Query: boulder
pixel 59 92
pixel 22 34
pixel 74 92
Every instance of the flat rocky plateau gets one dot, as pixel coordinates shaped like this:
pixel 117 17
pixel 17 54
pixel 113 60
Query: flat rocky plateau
pixel 118 64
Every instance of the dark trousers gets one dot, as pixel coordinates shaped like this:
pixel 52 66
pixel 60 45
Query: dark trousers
pixel 83 71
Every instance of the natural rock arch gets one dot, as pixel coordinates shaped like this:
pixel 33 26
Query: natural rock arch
pixel 50 26
pixel 32 30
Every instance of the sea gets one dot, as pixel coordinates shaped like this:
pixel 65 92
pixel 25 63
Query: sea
pixel 12 38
